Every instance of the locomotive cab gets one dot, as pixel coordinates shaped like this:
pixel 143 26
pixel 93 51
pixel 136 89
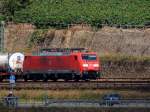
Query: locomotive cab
pixel 90 66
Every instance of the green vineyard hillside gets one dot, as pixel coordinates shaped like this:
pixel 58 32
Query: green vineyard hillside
pixel 47 12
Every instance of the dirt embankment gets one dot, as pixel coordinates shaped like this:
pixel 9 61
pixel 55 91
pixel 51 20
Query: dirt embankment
pixel 108 40
pixel 105 41
pixel 16 37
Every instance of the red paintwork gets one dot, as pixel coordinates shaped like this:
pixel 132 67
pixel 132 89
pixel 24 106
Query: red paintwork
pixel 72 62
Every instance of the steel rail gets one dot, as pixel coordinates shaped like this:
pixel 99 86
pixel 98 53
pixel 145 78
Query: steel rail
pixel 78 85
pixel 100 79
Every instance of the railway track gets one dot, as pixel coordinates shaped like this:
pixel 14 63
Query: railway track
pixel 98 80
pixel 98 84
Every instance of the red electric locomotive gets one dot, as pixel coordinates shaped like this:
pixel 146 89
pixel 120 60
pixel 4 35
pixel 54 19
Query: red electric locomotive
pixel 67 64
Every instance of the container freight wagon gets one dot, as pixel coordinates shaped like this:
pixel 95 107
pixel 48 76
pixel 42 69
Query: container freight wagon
pixel 67 64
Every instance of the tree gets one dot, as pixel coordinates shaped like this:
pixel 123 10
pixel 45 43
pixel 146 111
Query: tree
pixel 9 7
pixel 24 3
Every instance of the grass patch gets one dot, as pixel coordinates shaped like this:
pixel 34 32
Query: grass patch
pixel 119 57
pixel 75 109
pixel 75 94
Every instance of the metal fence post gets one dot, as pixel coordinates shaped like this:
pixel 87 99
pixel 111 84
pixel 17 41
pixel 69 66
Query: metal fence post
pixel 2 30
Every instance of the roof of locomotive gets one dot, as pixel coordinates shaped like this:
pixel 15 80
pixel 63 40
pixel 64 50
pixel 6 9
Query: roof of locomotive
pixel 62 52
pixel 63 49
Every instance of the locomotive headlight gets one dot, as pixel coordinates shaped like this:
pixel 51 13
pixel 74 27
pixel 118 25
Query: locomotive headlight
pixel 96 65
pixel 85 65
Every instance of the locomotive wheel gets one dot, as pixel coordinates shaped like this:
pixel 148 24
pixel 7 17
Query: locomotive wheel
pixel 77 78
pixel 16 79
pixel 25 79
pixel 45 79
pixel 55 80
pixel 86 80
pixel 66 80
pixel 34 79
pixel 1 79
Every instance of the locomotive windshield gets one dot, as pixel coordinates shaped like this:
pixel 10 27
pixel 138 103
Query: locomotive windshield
pixel 89 57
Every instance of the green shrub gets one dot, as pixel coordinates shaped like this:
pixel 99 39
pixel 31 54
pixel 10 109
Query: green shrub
pixel 36 38
pixel 2 18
